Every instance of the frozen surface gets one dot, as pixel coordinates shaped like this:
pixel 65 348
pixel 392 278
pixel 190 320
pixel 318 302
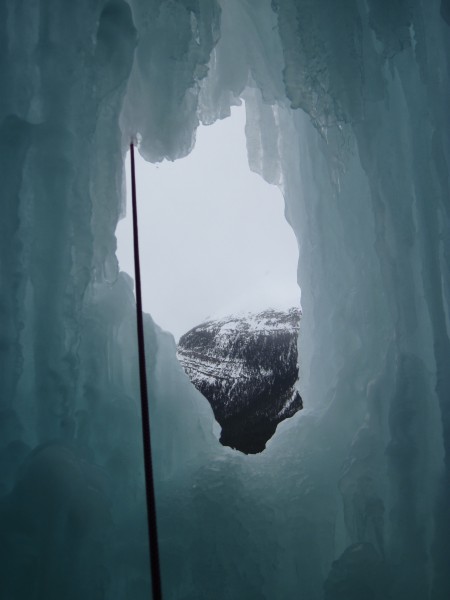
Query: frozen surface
pixel 347 106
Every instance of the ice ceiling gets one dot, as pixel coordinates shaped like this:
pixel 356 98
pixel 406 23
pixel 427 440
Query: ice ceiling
pixel 347 111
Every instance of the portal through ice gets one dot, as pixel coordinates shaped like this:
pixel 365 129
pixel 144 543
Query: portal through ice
pixel 214 239
pixel 218 267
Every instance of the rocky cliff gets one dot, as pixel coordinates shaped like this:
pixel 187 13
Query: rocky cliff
pixel 246 366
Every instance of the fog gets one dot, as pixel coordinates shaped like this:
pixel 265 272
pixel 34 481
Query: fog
pixel 213 236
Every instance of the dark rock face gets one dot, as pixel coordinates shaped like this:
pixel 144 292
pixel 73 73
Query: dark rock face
pixel 247 369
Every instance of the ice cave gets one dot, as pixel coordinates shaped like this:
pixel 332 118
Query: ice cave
pixel 347 112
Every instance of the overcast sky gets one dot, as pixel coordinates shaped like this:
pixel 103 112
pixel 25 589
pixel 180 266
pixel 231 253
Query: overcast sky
pixel 213 236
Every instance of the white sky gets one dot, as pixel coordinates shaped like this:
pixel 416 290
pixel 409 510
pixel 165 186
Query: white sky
pixel 213 237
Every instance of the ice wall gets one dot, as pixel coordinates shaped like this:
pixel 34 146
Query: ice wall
pixel 348 112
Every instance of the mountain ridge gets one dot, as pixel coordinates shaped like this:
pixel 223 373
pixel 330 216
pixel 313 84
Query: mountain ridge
pixel 247 367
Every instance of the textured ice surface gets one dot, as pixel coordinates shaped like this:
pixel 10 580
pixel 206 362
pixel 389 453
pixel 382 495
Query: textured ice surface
pixel 348 112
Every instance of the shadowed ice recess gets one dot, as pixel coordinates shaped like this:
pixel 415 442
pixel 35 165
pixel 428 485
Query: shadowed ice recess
pixel 347 112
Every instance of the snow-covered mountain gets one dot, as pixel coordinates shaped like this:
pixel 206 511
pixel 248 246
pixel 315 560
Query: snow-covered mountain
pixel 246 366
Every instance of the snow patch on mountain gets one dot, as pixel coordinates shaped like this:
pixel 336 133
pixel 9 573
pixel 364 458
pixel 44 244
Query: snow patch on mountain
pixel 247 367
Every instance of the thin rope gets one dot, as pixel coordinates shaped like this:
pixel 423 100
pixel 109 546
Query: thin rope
pixel 148 465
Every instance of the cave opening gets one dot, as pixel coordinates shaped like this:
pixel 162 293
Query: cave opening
pixel 219 272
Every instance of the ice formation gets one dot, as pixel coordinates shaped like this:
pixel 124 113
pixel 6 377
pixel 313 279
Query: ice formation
pixel 347 111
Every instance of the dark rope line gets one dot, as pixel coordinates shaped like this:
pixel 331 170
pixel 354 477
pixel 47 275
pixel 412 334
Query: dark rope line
pixel 148 465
